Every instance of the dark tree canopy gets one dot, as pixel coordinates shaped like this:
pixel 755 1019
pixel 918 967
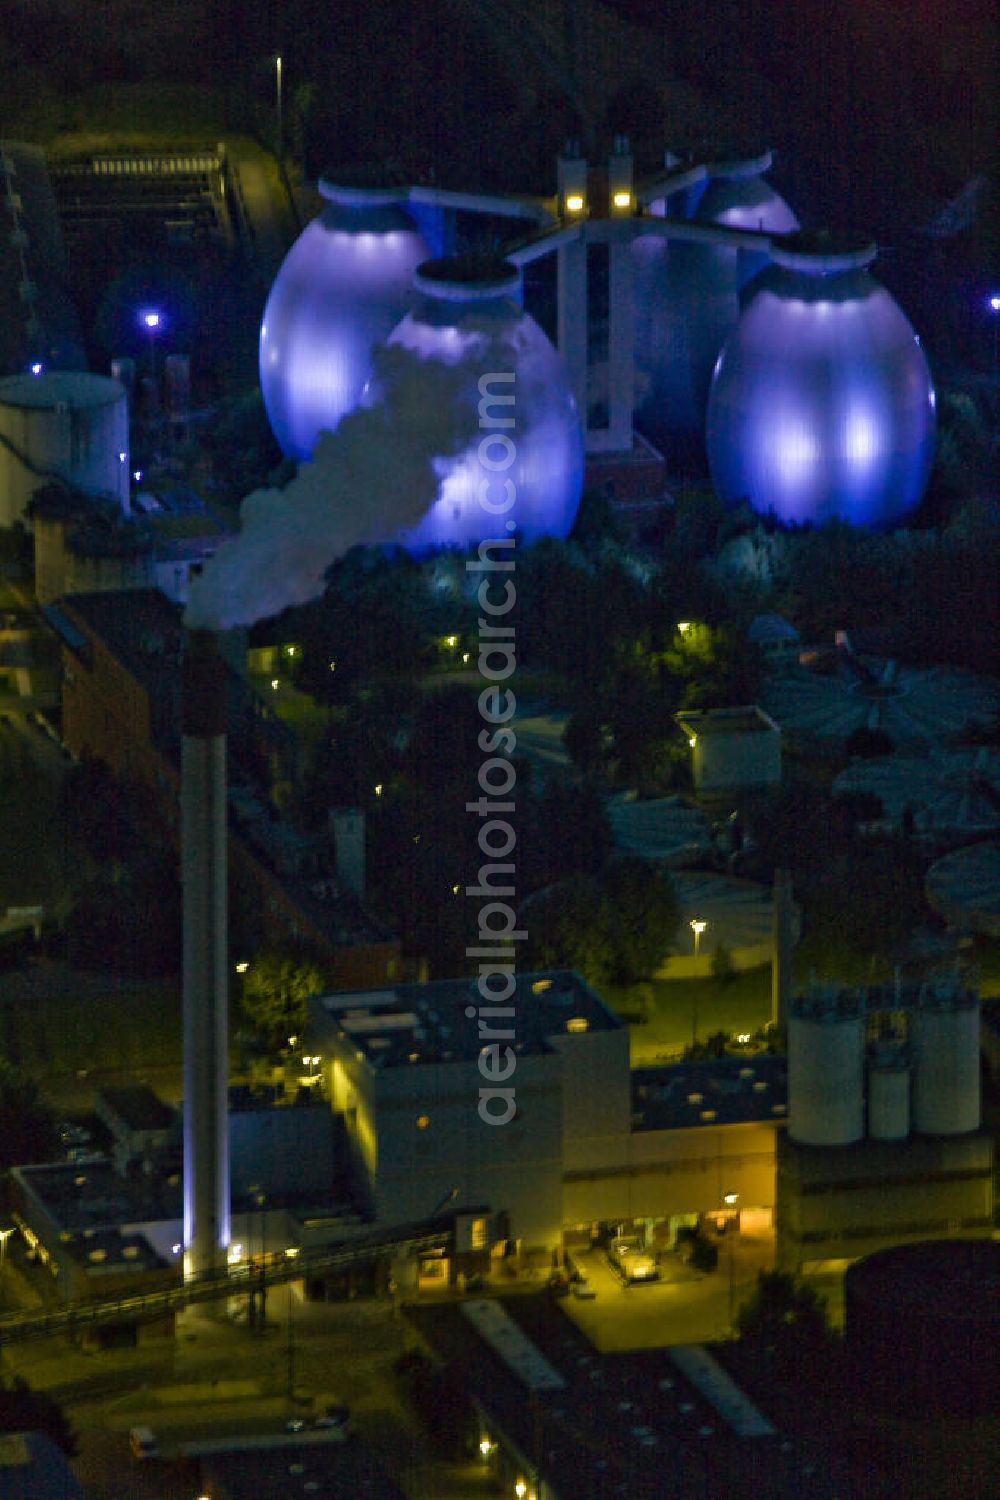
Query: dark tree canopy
pixel 616 927
pixel 276 986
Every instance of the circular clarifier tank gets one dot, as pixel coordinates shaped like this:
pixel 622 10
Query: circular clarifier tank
pixel 341 289
pixel 524 470
pixel 822 405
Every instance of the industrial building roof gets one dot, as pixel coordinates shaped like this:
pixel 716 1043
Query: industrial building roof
pixel 744 720
pixel 424 1023
pixel 137 1107
pixel 86 1196
pixel 619 1424
pixel 714 1091
pixel 33 1468
pixel 109 1252
pixel 324 1470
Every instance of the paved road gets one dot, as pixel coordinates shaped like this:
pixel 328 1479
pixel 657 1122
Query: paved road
pixel 217 1378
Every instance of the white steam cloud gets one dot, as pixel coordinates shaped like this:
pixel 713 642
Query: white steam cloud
pixel 368 480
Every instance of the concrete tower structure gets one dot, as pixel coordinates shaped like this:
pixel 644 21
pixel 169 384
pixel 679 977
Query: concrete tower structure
pixel 203 869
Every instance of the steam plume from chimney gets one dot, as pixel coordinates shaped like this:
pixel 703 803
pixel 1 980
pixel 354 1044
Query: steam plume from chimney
pixel 371 478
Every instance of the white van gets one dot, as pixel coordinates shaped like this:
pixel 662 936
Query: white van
pixel 142 1441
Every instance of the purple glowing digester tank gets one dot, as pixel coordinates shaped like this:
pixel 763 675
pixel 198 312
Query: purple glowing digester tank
pixel 822 404
pixel 341 288
pixel 524 470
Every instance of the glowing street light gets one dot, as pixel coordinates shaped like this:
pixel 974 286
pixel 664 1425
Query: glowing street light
pixel 277 87
pixel 697 927
pixel 994 304
pixel 731 1200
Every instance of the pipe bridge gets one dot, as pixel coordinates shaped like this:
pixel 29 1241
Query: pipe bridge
pixel 75 1317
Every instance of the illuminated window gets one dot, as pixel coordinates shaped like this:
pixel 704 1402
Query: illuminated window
pixel 540 986
pixel 478 1234
pixel 423 1121
pixel 577 1023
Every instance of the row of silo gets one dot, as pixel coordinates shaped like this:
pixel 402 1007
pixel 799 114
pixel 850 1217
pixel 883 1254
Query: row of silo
pixel 840 1089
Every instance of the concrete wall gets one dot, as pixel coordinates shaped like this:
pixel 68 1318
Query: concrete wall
pixel 655 1173
pixel 596 1088
pixel 286 1150
pixel 842 1202
pixel 721 761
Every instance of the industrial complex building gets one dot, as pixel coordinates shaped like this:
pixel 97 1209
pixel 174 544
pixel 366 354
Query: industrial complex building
pixel 836 1155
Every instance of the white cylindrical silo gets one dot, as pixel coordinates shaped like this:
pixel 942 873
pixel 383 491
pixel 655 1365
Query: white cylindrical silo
pixel 888 1093
pixel 826 1105
pixel 62 424
pixel 946 1064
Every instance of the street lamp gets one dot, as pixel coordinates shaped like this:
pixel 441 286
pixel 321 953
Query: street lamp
pixel 277 86
pixel 731 1200
pixel 697 927
pixel 5 1235
pixel 994 303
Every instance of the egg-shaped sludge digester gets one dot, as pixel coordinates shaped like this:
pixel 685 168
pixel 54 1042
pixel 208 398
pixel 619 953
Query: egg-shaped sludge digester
pixel 523 471
pixel 822 405
pixel 341 288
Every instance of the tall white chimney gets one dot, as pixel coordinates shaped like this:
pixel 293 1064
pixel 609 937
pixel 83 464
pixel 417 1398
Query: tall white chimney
pixel 203 872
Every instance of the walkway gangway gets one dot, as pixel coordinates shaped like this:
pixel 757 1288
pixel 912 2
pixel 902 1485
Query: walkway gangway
pixel 424 1238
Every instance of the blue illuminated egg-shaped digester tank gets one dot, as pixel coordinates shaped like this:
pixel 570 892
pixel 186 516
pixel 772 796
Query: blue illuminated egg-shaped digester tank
pixel 341 288
pixel 822 405
pixel 524 472
pixel 687 295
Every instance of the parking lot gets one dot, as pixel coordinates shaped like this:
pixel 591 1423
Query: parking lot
pixel 682 1306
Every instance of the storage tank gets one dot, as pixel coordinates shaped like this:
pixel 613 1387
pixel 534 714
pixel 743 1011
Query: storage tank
pixel 66 425
pixel 687 296
pixel 922 1329
pixel 946 1061
pixel 821 406
pixel 826 1104
pixel 524 472
pixel 341 288
pixel 888 1092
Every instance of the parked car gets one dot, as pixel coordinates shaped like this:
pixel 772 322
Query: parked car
pixel 632 1261
pixel 143 1443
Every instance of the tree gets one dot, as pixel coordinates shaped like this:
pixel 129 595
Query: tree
pixel 787 1317
pixel 640 914
pixel 566 930
pixel 276 986
pixel 614 928
pixel 27 1127
pixel 25 1410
